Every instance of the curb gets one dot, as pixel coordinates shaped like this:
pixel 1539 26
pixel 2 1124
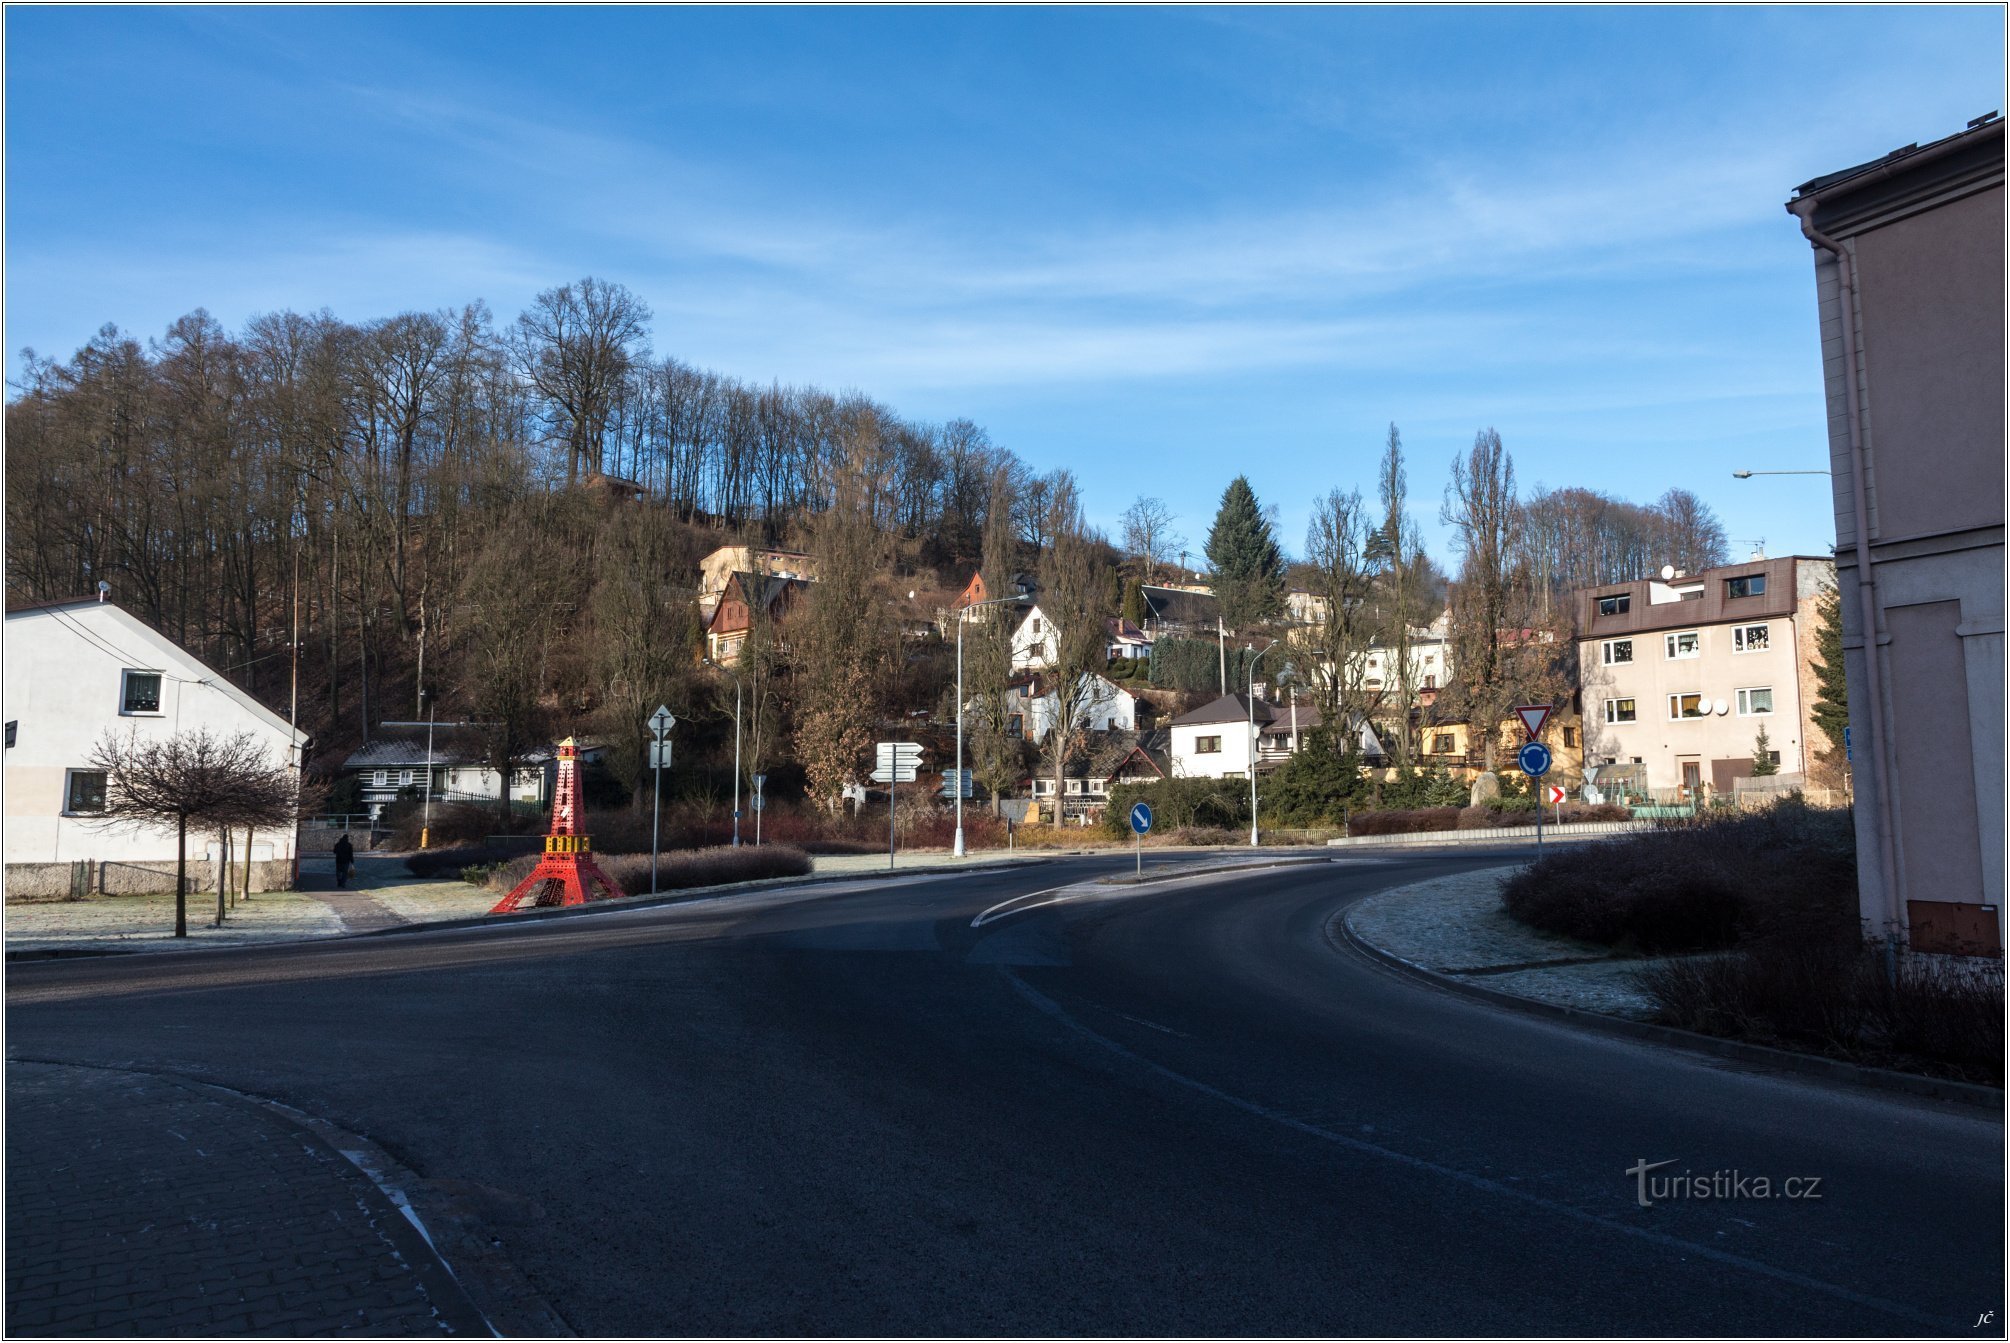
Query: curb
pixel 1811 1065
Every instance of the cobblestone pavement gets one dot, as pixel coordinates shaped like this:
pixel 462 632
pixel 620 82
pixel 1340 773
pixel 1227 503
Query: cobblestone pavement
pixel 1456 926
pixel 141 1205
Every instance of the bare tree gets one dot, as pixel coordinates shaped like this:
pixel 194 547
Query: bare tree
pixel 1149 537
pixel 197 778
pixel 1336 550
pixel 576 343
pixel 1074 593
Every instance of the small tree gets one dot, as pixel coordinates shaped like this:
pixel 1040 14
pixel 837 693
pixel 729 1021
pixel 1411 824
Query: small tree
pixel 197 778
pixel 1763 764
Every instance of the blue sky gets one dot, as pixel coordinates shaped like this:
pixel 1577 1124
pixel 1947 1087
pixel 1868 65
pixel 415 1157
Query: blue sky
pixel 1155 246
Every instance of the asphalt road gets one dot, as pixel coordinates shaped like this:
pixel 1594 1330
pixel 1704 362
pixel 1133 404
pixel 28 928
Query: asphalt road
pixel 1187 1111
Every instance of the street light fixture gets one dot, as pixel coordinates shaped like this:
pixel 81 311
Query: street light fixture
pixel 957 786
pixel 736 745
pixel 1747 475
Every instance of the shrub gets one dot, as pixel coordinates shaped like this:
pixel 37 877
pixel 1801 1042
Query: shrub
pixel 1699 885
pixel 435 862
pixel 678 870
pixel 1834 996
pixel 1179 804
pixel 1417 821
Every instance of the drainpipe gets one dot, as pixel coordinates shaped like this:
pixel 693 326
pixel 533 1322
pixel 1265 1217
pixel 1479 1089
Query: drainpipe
pixel 1803 209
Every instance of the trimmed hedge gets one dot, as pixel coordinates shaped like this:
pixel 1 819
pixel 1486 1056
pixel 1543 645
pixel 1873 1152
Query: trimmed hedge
pixel 678 870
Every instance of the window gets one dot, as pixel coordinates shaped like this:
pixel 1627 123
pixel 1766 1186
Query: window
pixel 1043 785
pixel 1616 605
pixel 1206 745
pixel 1615 651
pixel 1016 724
pixel 1687 644
pixel 1619 711
pixel 1747 585
pixel 1442 744
pixel 1570 736
pixel 1431 682
pixel 84 791
pixel 381 779
pixel 404 778
pixel 140 692
pixel 1754 702
pixel 1687 706
pixel 1036 624
pixel 12 723
pixel 1750 638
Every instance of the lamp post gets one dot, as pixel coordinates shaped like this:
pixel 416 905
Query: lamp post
pixel 957 787
pixel 1253 739
pixel 736 745
pixel 1747 475
pixel 426 806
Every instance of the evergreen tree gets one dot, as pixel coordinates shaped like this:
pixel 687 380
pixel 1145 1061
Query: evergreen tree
pixel 1248 566
pixel 1133 608
pixel 1763 764
pixel 1831 712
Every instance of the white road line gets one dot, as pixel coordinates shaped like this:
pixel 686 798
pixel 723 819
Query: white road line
pixel 1004 907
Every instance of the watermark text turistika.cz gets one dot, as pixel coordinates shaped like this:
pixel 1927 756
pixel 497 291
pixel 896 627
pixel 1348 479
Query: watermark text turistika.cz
pixel 1722 1185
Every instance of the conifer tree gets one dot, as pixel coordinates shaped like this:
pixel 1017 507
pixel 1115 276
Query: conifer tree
pixel 1831 712
pixel 1248 567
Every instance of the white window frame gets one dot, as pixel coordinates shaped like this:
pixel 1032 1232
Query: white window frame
pixel 160 692
pixel 1607 650
pixel 380 778
pixel 404 778
pixel 68 776
pixel 1745 699
pixel 1741 642
pixel 1670 645
pixel 1612 709
pixel 1675 714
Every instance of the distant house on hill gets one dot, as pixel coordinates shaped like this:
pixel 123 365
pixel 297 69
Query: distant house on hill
pixel 1179 610
pixel 393 764
pixel 718 568
pixel 727 629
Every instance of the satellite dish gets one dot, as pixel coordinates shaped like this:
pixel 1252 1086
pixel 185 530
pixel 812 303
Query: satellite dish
pixel 1723 706
pixel 1667 571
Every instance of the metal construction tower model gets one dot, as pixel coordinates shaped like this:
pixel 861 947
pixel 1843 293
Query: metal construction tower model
pixel 567 874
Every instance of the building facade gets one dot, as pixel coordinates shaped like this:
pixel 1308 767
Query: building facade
pixel 76 672
pixel 1908 257
pixel 1679 675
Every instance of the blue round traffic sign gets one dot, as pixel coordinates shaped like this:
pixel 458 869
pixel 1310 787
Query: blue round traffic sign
pixel 1141 818
pixel 1534 760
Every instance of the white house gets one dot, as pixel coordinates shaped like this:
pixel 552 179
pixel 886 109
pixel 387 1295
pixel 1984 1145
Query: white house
pixel 1035 642
pixel 1108 708
pixel 1215 740
pixel 75 672
pixel 393 764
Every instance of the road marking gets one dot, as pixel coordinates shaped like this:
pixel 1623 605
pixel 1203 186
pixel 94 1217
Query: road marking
pixel 1004 907
pixel 1471 1181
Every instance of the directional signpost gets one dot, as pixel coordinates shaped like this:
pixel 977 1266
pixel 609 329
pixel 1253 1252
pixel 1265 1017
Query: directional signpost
pixel 952 778
pixel 760 782
pixel 1141 824
pixel 898 763
pixel 659 726
pixel 1014 810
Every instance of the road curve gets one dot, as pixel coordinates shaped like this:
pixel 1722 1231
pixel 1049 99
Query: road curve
pixel 1189 1110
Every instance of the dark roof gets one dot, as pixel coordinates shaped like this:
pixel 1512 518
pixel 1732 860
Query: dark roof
pixel 1280 718
pixel 1993 125
pixel 456 748
pixel 1227 709
pixel 1174 606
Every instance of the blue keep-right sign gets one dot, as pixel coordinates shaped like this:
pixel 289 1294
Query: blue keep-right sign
pixel 1141 818
pixel 1534 760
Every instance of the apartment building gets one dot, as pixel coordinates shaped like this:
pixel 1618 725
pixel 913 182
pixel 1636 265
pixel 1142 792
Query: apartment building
pixel 1681 673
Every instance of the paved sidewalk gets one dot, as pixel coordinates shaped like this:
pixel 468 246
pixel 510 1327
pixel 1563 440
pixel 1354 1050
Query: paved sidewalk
pixel 1455 926
pixel 141 1205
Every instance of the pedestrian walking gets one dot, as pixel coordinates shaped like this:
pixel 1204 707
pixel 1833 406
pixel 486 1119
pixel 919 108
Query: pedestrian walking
pixel 345 860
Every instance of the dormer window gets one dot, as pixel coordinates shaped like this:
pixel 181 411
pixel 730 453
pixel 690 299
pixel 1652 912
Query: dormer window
pixel 1745 585
pixel 1616 605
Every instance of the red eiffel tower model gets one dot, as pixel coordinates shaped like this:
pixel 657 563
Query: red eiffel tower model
pixel 567 874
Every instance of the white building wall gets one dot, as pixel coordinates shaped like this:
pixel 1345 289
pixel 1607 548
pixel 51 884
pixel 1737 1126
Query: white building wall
pixel 1034 642
pixel 1231 761
pixel 1113 709
pixel 62 690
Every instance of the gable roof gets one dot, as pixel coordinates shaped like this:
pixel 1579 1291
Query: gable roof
pixel 1176 606
pixel 767 592
pixel 160 644
pixel 1227 709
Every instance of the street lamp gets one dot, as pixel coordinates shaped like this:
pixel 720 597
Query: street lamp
pixel 736 745
pixel 426 807
pixel 1747 475
pixel 957 786
pixel 1253 739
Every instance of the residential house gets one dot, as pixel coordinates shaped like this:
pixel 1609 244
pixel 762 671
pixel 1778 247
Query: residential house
pixel 393 764
pixel 1033 705
pixel 1451 745
pixel 1216 741
pixel 1908 254
pixel 1429 658
pixel 75 673
pixel 1020 588
pixel 732 619
pixel 716 570
pixel 1304 608
pixel 1127 640
pixel 1679 674
pixel 1171 610
pixel 1035 642
pixel 1112 758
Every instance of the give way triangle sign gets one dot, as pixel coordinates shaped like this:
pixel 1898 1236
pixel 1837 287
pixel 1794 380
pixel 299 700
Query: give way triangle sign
pixel 1532 716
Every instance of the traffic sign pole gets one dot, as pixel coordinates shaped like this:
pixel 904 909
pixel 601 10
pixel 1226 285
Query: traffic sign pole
pixel 659 726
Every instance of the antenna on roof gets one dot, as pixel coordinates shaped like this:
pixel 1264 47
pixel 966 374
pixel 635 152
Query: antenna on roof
pixel 1984 119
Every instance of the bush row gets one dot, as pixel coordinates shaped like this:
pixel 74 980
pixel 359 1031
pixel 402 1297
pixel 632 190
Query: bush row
pixel 677 871
pixel 1425 819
